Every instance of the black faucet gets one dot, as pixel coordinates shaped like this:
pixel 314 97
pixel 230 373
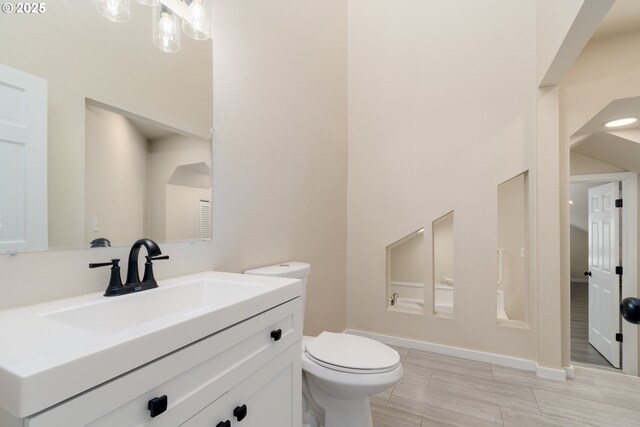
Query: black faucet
pixel 133 283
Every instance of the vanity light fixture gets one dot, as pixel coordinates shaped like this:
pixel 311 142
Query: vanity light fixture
pixel 195 22
pixel 114 10
pixel 168 17
pixel 166 29
pixel 620 122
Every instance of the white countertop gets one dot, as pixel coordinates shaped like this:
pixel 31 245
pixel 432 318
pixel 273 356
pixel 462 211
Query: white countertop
pixel 46 356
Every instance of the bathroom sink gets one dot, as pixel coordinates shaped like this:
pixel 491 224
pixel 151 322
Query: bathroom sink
pixel 113 314
pixel 54 351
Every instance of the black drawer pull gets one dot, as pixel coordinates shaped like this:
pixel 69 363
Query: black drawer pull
pixel 224 424
pixel 276 335
pixel 157 405
pixel 240 412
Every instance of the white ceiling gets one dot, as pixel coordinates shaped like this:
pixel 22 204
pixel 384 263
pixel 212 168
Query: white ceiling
pixel 617 109
pixel 623 16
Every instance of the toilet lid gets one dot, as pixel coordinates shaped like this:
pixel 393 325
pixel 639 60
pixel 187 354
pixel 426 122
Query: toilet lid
pixel 352 353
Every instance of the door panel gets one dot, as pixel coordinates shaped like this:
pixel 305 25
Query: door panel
pixel 23 161
pixel 604 256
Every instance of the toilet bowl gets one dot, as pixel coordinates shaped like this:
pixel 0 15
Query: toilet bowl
pixel 340 371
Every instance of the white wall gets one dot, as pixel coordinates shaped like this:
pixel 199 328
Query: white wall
pixel 116 178
pixel 442 109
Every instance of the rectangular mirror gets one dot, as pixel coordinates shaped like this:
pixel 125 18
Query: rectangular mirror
pixel 82 56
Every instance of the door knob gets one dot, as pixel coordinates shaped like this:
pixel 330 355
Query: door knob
pixel 630 310
pixel 587 273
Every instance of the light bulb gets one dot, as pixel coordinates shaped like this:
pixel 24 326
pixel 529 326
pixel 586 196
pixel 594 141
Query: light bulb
pixel 114 10
pixel 621 122
pixel 194 23
pixel 166 34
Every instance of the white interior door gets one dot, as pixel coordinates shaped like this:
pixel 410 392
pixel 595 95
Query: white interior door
pixel 604 256
pixel 23 161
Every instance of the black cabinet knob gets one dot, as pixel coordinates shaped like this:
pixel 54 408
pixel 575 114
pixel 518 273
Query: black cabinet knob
pixel 587 273
pixel 276 335
pixel 224 424
pixel 157 405
pixel 240 412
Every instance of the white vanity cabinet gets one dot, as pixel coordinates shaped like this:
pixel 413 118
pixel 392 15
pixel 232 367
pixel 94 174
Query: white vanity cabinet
pixel 255 363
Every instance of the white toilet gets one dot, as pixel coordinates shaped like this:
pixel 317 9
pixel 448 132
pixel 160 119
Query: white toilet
pixel 340 371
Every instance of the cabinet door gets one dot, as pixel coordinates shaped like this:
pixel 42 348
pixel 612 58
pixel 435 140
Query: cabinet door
pixel 270 397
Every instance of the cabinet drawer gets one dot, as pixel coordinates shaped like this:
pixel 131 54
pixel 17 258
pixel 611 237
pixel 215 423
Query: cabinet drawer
pixel 191 377
pixel 269 397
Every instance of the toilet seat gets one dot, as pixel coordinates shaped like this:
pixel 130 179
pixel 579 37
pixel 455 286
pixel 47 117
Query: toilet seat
pixel 351 354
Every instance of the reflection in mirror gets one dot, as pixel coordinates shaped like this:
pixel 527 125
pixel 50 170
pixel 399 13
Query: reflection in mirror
pixel 443 265
pixel 406 274
pixel 143 179
pixel 513 226
pixel 79 55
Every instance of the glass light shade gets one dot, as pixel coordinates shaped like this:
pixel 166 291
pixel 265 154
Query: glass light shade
pixel 195 22
pixel 166 29
pixel 148 2
pixel 114 10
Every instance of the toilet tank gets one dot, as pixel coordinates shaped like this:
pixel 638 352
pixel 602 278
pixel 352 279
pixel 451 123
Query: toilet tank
pixel 291 269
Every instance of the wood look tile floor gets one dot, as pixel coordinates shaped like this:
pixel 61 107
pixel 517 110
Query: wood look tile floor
pixel 581 350
pixel 439 390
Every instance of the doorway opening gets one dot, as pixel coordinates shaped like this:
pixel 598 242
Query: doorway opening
pixel 603 242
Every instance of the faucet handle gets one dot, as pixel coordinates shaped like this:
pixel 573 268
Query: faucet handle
pixel 114 262
pixel 115 282
pixel 148 268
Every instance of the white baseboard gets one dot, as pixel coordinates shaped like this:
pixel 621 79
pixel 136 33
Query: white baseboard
pixel 550 373
pixel 496 359
pixel 580 280
pixel 570 371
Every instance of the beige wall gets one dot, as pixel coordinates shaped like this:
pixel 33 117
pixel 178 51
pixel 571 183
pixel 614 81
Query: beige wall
pixel 553 20
pixel 585 165
pixel 183 211
pixel 416 104
pixel 82 55
pixel 407 260
pixel 443 248
pixel 116 178
pixel 165 155
pixel 279 162
pixel 604 71
pixel 513 227
pixel 280 144
pixel 435 124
